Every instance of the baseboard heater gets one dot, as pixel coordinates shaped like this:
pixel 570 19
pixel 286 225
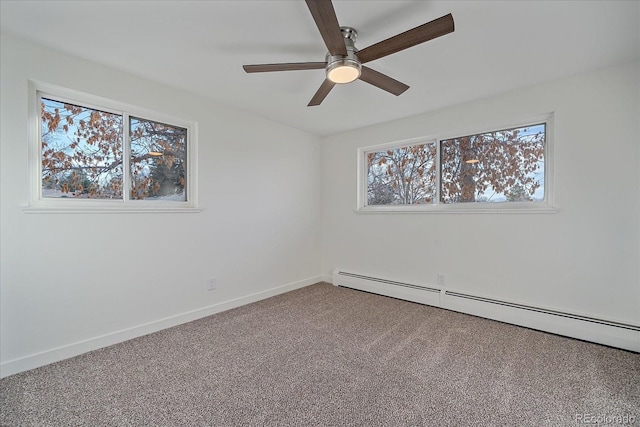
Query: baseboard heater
pixel 603 331
pixel 391 288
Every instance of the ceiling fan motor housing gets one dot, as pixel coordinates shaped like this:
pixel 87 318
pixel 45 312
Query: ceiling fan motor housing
pixel 345 69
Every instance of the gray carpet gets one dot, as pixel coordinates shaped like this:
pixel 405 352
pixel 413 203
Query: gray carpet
pixel 327 356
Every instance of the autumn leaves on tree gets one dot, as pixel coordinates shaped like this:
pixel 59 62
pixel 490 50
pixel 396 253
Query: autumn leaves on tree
pixel 83 154
pixel 504 165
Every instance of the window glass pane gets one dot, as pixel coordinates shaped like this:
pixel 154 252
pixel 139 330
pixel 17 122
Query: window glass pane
pixel 500 166
pixel 158 160
pixel 402 176
pixel 81 151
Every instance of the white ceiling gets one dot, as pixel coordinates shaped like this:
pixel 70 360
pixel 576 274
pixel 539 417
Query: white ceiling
pixel 200 46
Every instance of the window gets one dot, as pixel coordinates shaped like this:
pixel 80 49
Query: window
pixel 158 160
pixel 81 151
pixel 402 175
pixel 96 154
pixel 499 170
pixel 501 166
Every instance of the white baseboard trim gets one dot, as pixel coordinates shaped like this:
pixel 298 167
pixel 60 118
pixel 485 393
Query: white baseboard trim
pixel 57 354
pixel 611 332
pixel 327 278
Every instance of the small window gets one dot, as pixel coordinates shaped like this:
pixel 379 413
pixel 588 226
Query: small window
pixel 81 151
pixel 158 160
pixel 402 175
pixel 107 155
pixel 506 169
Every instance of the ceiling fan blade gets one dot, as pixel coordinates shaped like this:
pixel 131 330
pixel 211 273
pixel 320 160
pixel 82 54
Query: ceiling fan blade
pixel 322 93
pixel 292 66
pixel 382 81
pixel 327 23
pixel 423 33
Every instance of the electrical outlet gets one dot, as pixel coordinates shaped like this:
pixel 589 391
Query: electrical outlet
pixel 441 279
pixel 212 284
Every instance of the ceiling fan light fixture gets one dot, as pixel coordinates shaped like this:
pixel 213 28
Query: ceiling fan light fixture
pixel 344 70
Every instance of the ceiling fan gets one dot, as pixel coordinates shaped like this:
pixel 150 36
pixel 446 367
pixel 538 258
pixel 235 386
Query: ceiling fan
pixel 343 62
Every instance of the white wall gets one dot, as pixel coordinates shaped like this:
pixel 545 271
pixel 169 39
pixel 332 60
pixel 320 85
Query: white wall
pixel 73 282
pixel 582 259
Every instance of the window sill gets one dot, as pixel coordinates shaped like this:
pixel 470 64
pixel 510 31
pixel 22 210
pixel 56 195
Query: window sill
pixel 459 209
pixel 93 209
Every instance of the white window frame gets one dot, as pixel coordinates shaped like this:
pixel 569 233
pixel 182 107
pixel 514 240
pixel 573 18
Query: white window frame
pixel 547 205
pixel 39 204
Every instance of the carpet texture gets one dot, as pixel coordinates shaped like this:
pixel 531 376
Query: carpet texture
pixel 328 356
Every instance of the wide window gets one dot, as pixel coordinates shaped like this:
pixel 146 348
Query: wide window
pixel 104 155
pixel 506 169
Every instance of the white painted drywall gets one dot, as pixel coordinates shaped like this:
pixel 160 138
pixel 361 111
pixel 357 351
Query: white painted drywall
pixel 71 278
pixel 582 259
